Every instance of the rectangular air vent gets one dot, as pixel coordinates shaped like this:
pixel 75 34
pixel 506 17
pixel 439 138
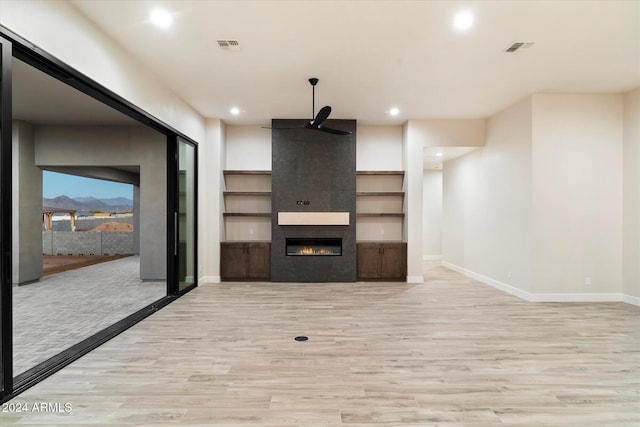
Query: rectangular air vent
pixel 229 44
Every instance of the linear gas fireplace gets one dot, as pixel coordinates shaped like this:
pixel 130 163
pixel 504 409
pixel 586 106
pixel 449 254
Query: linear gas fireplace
pixel 313 247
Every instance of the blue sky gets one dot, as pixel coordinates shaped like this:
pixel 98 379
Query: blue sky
pixel 59 184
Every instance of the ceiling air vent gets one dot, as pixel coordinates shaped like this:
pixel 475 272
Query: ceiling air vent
pixel 229 44
pixel 518 45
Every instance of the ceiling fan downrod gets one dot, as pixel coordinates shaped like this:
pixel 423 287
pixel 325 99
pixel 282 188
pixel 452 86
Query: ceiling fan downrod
pixel 314 82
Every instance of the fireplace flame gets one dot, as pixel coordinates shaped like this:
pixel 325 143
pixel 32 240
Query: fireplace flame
pixel 311 251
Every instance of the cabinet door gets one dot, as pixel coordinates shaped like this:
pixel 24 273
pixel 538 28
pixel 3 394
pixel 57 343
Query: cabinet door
pixel 259 263
pixel 368 261
pixel 394 261
pixel 233 261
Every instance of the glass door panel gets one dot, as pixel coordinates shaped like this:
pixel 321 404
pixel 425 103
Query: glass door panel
pixel 186 215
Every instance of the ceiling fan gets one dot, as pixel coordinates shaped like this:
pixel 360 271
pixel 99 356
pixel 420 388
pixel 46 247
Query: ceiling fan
pixel 316 123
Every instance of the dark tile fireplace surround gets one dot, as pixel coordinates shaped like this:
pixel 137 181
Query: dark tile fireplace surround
pixel 313 171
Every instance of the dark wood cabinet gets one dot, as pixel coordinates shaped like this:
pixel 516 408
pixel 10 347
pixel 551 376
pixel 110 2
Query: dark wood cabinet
pixel 245 261
pixel 382 261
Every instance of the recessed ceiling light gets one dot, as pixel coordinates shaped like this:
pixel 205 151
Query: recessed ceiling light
pixel 463 20
pixel 235 111
pixel 439 154
pixel 161 18
pixel 394 111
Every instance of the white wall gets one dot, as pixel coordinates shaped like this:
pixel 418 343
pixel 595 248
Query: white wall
pixel 487 202
pixel 248 148
pixel 539 208
pixel 577 193
pixel 210 224
pixel 26 203
pixel 412 161
pixel 379 148
pixel 432 214
pixel 449 132
pixel 60 30
pixel 631 215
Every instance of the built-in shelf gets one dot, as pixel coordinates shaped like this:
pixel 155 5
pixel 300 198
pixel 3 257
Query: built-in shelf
pixel 247 193
pixel 245 172
pixel 247 205
pixel 381 214
pixel 380 193
pixel 379 205
pixel 248 214
pixel 380 173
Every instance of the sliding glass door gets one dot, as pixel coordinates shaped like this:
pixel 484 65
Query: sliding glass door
pixel 127 239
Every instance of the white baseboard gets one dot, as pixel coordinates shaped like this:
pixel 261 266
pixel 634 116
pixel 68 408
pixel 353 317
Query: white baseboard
pixel 631 299
pixel 489 281
pixel 415 279
pixel 532 297
pixel 601 297
pixel 431 257
pixel 209 279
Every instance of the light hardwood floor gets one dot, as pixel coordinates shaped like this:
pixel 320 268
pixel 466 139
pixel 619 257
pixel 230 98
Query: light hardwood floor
pixel 449 352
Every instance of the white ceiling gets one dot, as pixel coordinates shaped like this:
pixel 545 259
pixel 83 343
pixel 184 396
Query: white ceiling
pixel 373 55
pixel 36 99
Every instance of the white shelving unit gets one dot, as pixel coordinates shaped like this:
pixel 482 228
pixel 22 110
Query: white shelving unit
pixel 247 205
pixel 379 205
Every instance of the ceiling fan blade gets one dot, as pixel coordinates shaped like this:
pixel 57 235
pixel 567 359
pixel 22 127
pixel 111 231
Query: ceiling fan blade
pixel 322 115
pixel 334 131
pixel 284 128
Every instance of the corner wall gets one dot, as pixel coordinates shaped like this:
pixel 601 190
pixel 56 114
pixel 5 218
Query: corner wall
pixel 487 204
pixel 538 212
pixel 631 204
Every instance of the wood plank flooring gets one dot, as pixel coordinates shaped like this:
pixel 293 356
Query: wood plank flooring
pixel 448 352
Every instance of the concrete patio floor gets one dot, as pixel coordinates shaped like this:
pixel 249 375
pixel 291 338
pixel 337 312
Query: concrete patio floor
pixel 65 308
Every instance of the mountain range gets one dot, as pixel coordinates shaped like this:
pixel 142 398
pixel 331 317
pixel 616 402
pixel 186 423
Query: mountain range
pixel 89 204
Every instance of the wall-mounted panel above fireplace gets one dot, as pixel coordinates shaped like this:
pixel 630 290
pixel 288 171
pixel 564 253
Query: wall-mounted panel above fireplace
pixel 313 218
